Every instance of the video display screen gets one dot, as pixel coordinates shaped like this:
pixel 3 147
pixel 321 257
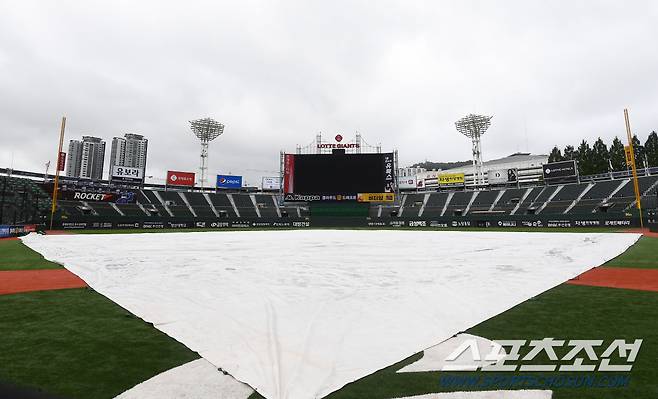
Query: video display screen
pixel 336 177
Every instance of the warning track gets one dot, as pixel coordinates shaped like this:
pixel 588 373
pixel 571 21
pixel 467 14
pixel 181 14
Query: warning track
pixel 619 277
pixel 17 281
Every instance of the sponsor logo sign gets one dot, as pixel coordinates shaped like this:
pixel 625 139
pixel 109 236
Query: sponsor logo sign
pixel 417 223
pixel 175 178
pixel 229 181
pixel 74 225
pixel 629 155
pixel 561 169
pixel 617 355
pixel 61 161
pixel 127 172
pixel 451 179
pixel 389 176
pixel 289 173
pixel 406 182
pixel 127 225
pixel 302 197
pixel 502 176
pixel 153 225
pixel 375 197
pixel 338 145
pixel 558 223
pixel 4 231
pixel 271 183
pixel 99 197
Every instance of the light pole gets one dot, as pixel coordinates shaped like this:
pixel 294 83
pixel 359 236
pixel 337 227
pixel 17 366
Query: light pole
pixel 474 126
pixel 206 130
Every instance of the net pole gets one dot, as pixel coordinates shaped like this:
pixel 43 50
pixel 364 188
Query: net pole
pixel 636 185
pixel 55 186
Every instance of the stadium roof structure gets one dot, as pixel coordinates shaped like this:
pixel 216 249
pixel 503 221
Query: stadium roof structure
pixel 520 158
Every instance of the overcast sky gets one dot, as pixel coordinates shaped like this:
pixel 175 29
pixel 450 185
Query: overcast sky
pixel 276 73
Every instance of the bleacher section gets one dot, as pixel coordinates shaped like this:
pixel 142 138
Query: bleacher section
pixel 22 201
pixel 484 201
pixel 564 198
pixel 131 210
pixel 103 209
pixel 509 200
pixel 435 204
pixel 222 204
pixel 625 197
pixel 245 205
pixel 200 205
pixel 590 202
pixel 153 205
pixel 413 204
pixel 25 200
pixel 174 202
pixel 458 203
pixel 267 206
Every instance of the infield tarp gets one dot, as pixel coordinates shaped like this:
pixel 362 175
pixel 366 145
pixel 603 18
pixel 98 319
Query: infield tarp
pixel 299 314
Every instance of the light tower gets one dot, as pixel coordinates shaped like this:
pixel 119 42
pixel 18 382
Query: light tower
pixel 474 126
pixel 206 130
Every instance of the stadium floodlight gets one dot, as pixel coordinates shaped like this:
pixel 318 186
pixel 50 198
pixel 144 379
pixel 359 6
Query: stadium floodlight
pixel 206 130
pixel 473 127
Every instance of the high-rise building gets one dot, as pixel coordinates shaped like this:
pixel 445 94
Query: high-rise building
pixel 129 150
pixel 86 158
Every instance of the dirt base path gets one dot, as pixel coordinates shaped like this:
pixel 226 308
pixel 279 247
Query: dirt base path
pixel 16 281
pixel 619 277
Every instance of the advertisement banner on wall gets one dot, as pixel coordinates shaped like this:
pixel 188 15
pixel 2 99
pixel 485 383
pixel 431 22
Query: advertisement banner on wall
pixel 502 176
pixel 271 183
pixel 289 173
pixel 175 178
pixel 61 161
pixel 126 197
pixel 229 181
pixel 407 182
pixel 127 172
pixel 375 197
pixel 389 175
pixel 451 179
pixel 556 170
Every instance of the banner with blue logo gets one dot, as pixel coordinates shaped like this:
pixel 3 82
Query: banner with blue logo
pixel 4 231
pixel 228 181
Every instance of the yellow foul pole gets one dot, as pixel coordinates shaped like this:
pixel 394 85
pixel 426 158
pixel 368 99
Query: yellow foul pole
pixel 633 168
pixel 55 186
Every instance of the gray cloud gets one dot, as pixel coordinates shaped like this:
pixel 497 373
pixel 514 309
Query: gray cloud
pixel 276 73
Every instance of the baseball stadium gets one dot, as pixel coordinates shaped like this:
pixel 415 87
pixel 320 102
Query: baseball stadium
pixel 345 276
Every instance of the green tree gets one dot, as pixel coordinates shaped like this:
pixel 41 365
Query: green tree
pixel 617 157
pixel 584 159
pixel 569 153
pixel 555 155
pixel 651 149
pixel 600 157
pixel 638 150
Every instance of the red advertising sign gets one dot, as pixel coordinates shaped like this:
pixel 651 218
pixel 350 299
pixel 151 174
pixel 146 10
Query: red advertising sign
pixel 288 173
pixel 61 161
pixel 175 178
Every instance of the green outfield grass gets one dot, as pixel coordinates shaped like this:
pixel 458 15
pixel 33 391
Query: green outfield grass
pixel 14 255
pixel 78 344
pixel 643 255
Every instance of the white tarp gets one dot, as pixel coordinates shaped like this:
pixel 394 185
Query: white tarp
pixel 299 314
pixel 197 379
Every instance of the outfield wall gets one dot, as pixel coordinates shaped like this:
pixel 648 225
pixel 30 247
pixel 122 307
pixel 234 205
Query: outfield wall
pixel 489 221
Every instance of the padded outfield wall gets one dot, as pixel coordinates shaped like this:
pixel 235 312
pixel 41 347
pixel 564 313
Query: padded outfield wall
pixel 477 221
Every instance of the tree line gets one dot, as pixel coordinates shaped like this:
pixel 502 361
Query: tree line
pixel 600 158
